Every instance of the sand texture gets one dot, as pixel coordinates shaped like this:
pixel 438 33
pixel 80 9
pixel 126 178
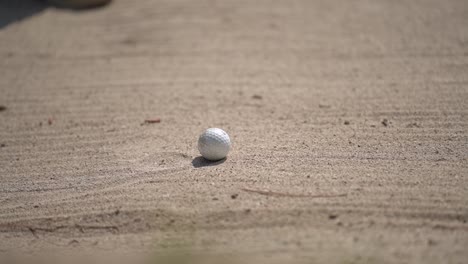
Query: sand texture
pixel 348 119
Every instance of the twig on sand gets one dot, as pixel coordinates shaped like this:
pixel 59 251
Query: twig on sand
pixel 281 194
pixel 152 121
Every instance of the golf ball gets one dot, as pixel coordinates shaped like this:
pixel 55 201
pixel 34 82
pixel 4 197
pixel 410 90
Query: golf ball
pixel 214 144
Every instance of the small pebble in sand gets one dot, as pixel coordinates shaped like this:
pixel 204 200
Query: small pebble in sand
pixel 332 216
pixel 385 122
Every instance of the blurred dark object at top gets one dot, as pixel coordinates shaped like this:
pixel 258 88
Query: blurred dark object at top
pixel 79 4
pixel 15 10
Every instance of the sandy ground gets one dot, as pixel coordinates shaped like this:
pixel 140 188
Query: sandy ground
pixel 364 99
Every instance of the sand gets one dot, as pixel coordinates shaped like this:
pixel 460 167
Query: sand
pixel 348 121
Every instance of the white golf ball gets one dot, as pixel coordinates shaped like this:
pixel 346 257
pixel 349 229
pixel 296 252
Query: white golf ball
pixel 214 144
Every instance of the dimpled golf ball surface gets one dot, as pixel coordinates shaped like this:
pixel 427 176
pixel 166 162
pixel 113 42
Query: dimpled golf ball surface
pixel 214 144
